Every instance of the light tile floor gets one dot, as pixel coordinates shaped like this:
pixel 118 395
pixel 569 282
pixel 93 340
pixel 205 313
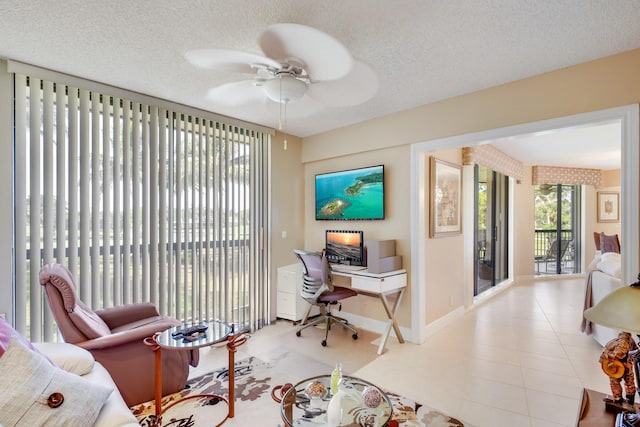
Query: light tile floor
pixel 515 360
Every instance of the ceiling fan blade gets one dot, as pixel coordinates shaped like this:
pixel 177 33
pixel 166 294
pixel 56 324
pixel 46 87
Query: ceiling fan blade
pixel 236 94
pixel 324 57
pixel 360 85
pixel 228 60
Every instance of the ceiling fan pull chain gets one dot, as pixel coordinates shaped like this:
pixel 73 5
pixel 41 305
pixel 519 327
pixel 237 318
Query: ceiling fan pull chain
pixel 280 102
pixel 285 123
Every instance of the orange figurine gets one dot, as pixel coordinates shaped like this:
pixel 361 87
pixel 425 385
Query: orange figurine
pixel 617 362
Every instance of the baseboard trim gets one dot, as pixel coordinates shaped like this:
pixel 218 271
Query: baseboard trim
pixel 440 323
pixel 547 277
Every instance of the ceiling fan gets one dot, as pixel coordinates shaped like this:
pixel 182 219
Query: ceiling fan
pixel 300 64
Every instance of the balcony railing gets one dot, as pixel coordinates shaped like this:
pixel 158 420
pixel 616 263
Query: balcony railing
pixel 552 256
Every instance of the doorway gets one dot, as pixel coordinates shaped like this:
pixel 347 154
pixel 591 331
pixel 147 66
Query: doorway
pixel 628 118
pixel 491 228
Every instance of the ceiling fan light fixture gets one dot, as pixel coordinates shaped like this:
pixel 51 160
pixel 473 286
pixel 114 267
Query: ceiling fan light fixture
pixel 285 89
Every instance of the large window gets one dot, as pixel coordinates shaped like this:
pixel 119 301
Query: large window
pixel 557 228
pixel 141 203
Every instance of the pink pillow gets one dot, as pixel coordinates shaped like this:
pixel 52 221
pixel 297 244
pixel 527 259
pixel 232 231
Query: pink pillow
pixel 609 243
pixel 7 332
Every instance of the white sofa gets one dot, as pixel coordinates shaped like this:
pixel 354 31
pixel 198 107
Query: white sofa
pixel 602 285
pixel 603 277
pixel 71 358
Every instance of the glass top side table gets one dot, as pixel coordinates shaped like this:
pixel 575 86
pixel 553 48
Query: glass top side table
pixel 216 332
pixel 297 409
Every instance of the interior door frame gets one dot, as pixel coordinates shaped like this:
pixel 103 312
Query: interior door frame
pixel 629 177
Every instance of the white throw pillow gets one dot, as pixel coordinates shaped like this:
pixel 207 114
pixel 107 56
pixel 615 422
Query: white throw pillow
pixel 610 267
pixel 610 257
pixel 30 387
pixel 69 357
pixel 593 265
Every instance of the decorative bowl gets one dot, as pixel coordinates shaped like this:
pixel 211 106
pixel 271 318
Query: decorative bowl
pixel 316 390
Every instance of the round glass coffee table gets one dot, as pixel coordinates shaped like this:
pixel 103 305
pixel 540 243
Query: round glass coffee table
pixel 297 409
pixel 216 332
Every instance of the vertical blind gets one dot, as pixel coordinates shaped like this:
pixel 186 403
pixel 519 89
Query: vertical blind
pixel 141 203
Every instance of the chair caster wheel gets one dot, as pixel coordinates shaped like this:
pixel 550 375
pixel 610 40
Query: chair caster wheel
pixel 354 336
pixel 298 333
pixel 324 343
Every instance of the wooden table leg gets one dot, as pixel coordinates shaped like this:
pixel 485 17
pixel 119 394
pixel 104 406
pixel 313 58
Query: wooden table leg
pixel 157 350
pixel 232 342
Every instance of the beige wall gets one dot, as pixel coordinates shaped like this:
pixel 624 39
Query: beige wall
pixel 393 227
pixel 605 83
pixel 610 183
pixel 287 205
pixel 444 252
pixel 523 227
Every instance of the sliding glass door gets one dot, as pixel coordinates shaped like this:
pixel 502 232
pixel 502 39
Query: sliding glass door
pixel 491 226
pixel 557 222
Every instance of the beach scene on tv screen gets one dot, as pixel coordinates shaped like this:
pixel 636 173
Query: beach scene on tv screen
pixel 352 194
pixel 344 246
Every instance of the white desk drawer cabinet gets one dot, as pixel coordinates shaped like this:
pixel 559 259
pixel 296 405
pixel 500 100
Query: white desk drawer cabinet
pixel 379 284
pixel 289 278
pixel 289 304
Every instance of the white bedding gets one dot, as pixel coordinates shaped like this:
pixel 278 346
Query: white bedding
pixel 610 264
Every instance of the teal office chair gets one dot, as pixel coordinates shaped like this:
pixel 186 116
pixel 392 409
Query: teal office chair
pixel 318 290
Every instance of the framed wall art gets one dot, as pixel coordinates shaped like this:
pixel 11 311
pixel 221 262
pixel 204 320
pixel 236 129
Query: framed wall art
pixel 445 198
pixel 608 206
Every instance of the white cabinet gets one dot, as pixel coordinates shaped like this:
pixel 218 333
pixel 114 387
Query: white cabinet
pixel 290 304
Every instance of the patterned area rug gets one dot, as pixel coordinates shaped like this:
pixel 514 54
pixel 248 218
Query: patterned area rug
pixel 254 405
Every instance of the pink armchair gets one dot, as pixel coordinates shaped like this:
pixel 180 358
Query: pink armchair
pixel 115 338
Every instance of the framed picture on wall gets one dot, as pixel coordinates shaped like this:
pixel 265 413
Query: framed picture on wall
pixel 445 199
pixel 608 206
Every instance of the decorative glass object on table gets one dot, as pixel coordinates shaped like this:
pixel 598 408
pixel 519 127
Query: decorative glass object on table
pixel 361 404
pixel 336 378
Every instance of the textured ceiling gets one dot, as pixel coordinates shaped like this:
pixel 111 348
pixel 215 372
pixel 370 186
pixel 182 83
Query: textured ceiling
pixel 422 51
pixel 594 146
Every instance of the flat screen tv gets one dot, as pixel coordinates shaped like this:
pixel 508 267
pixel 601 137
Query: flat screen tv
pixel 345 247
pixel 354 194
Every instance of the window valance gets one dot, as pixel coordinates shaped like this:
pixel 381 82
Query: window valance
pixel 492 158
pixel 569 176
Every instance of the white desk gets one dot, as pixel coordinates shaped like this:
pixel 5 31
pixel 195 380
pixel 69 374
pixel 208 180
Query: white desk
pixel 382 286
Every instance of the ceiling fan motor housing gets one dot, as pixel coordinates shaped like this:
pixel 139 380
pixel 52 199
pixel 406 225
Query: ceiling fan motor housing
pixel 285 87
